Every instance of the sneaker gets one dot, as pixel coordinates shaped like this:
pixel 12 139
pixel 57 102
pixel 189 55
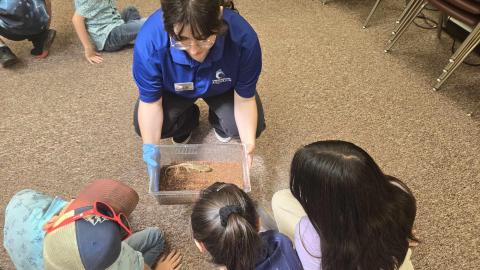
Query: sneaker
pixel 7 57
pixel 182 139
pixel 41 49
pixel 221 136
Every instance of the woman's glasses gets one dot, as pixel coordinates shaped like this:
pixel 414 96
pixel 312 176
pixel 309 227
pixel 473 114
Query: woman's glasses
pixel 187 44
pixel 100 209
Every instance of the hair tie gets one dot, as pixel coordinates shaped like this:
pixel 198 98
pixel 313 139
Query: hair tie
pixel 226 211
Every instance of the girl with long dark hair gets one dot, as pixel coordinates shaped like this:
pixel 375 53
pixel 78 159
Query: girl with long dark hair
pixel 191 49
pixel 225 223
pixel 344 212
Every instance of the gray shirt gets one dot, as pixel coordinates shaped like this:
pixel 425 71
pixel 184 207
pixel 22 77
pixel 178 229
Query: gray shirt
pixel 101 17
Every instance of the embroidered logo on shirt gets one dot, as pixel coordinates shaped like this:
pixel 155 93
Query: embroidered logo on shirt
pixel 95 219
pixel 220 77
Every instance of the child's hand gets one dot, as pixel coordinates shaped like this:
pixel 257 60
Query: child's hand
pixel 412 244
pixel 93 57
pixel 170 262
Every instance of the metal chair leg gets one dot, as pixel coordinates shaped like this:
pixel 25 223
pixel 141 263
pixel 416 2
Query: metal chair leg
pixel 406 23
pixel 371 13
pixel 460 54
pixel 407 12
pixel 408 5
pixel 471 38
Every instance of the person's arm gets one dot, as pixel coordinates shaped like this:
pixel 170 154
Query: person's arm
pixel 245 106
pixel 246 117
pixel 150 120
pixel 91 54
pixel 148 77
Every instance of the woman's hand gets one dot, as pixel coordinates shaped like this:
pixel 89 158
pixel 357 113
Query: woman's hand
pixel 170 262
pixel 250 149
pixel 93 57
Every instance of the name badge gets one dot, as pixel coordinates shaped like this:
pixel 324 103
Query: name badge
pixel 186 86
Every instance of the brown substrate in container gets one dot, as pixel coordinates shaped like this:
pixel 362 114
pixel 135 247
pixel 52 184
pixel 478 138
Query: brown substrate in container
pixel 199 176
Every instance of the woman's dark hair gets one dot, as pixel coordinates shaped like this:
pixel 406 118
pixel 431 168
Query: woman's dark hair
pixel 224 219
pixel 203 17
pixel 364 218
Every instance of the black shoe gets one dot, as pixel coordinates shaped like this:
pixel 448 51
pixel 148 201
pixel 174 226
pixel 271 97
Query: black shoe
pixel 45 43
pixel 182 139
pixel 7 57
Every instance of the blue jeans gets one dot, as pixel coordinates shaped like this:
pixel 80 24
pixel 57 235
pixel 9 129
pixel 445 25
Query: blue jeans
pixel 126 33
pixel 150 242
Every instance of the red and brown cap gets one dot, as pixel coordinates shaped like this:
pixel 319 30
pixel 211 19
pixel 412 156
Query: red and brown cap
pixel 118 195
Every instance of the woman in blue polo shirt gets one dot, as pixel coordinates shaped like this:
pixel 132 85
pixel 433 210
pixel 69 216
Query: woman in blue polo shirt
pixel 196 49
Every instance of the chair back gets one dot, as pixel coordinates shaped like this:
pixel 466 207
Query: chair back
pixel 466 11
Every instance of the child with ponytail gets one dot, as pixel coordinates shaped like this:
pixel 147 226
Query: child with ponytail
pixel 225 223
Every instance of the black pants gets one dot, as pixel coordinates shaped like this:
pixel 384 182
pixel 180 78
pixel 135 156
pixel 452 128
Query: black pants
pixel 35 39
pixel 181 115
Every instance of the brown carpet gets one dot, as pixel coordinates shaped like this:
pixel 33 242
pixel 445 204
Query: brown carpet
pixel 65 122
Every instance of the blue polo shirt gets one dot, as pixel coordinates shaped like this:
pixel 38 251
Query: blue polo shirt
pixel 234 62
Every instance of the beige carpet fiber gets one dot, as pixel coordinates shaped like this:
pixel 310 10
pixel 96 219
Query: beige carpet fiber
pixel 65 122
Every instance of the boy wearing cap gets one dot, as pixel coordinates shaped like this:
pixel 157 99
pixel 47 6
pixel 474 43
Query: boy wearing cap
pixel 76 238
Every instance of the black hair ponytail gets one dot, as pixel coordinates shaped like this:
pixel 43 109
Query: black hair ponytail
pixel 224 219
pixel 240 244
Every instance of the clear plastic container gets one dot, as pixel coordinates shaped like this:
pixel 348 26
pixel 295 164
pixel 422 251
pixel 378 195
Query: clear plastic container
pixel 201 152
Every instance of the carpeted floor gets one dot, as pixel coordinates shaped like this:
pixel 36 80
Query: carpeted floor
pixel 65 122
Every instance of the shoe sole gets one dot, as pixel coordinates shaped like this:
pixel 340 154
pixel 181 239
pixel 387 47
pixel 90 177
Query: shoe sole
pixel 185 141
pixel 9 62
pixel 221 139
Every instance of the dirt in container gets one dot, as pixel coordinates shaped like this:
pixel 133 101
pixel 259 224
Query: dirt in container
pixel 197 175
